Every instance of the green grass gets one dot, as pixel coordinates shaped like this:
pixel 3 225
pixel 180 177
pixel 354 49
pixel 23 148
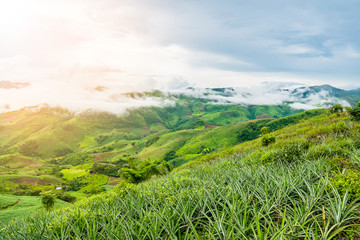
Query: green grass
pixel 77 171
pixel 7 201
pixel 27 206
pixel 287 190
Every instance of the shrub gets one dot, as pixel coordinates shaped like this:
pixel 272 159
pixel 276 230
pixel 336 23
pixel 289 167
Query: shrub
pixel 339 127
pixel 264 130
pixel 268 139
pixel 48 200
pixel 336 109
pixel 65 196
pixel 355 112
pixel 75 184
pixel 250 132
pixel 93 189
pixel 349 181
pixel 145 170
pixel 268 157
pixel 105 169
pixel 170 155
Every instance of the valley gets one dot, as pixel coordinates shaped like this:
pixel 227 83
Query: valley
pixel 91 157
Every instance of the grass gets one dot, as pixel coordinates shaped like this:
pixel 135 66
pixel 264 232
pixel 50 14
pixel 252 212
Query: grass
pixel 226 200
pixel 7 201
pixel 77 171
pixel 283 191
pixel 25 206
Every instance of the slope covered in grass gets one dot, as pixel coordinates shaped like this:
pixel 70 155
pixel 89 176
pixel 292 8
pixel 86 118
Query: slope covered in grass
pixel 303 186
pixel 13 206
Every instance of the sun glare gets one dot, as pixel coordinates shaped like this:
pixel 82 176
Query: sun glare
pixel 16 17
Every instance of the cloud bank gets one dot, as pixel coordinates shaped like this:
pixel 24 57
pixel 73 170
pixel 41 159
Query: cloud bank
pixel 64 49
pixel 112 99
pixel 267 94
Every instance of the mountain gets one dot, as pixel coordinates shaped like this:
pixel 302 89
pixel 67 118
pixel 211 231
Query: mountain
pixel 302 184
pixel 352 96
pixel 90 152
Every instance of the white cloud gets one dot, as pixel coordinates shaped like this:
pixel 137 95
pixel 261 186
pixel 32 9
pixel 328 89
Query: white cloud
pixel 66 48
pixel 267 94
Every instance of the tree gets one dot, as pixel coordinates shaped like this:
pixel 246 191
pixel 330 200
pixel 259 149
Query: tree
pixel 267 138
pixel 48 200
pixel 336 109
pixel 264 130
pixel 355 112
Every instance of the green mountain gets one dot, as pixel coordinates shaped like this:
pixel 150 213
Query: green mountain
pixel 352 96
pixel 298 182
pixel 90 152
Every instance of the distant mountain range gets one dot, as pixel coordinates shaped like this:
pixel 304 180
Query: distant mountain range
pixel 304 97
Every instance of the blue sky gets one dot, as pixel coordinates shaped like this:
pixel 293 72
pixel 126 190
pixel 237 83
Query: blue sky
pixel 63 49
pixel 317 40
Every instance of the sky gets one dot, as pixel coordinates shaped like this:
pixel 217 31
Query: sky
pixel 60 51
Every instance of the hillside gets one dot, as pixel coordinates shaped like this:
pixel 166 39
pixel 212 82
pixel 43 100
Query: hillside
pixel 90 152
pixel 304 185
pixel 37 143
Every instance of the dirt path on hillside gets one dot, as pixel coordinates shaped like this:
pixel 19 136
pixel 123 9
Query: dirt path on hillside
pixel 11 205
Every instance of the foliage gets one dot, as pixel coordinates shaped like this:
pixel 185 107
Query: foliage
pixel 145 170
pixel 267 139
pixel 244 202
pixel 65 196
pixel 170 155
pixel 29 148
pixel 250 132
pixel 339 127
pixel 48 199
pixel 7 186
pixel 24 206
pixel 101 138
pixel 151 141
pixel 348 182
pixel 106 169
pixel 336 109
pixel 244 192
pixel 355 112
pixel 264 130
pixel 75 184
pixel 75 159
pixel 63 151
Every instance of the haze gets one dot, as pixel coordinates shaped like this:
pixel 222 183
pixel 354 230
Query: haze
pixel 58 52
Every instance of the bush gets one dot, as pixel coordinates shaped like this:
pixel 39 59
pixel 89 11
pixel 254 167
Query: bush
pixel 336 109
pixel 65 196
pixel 267 139
pixel 48 200
pixel 105 169
pixel 290 152
pixel 349 181
pixel 339 127
pixel 145 170
pixel 355 112
pixel 93 189
pixel 264 130
pixel 170 155
pixel 75 184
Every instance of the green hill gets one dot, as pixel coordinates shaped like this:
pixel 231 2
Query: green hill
pixel 303 185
